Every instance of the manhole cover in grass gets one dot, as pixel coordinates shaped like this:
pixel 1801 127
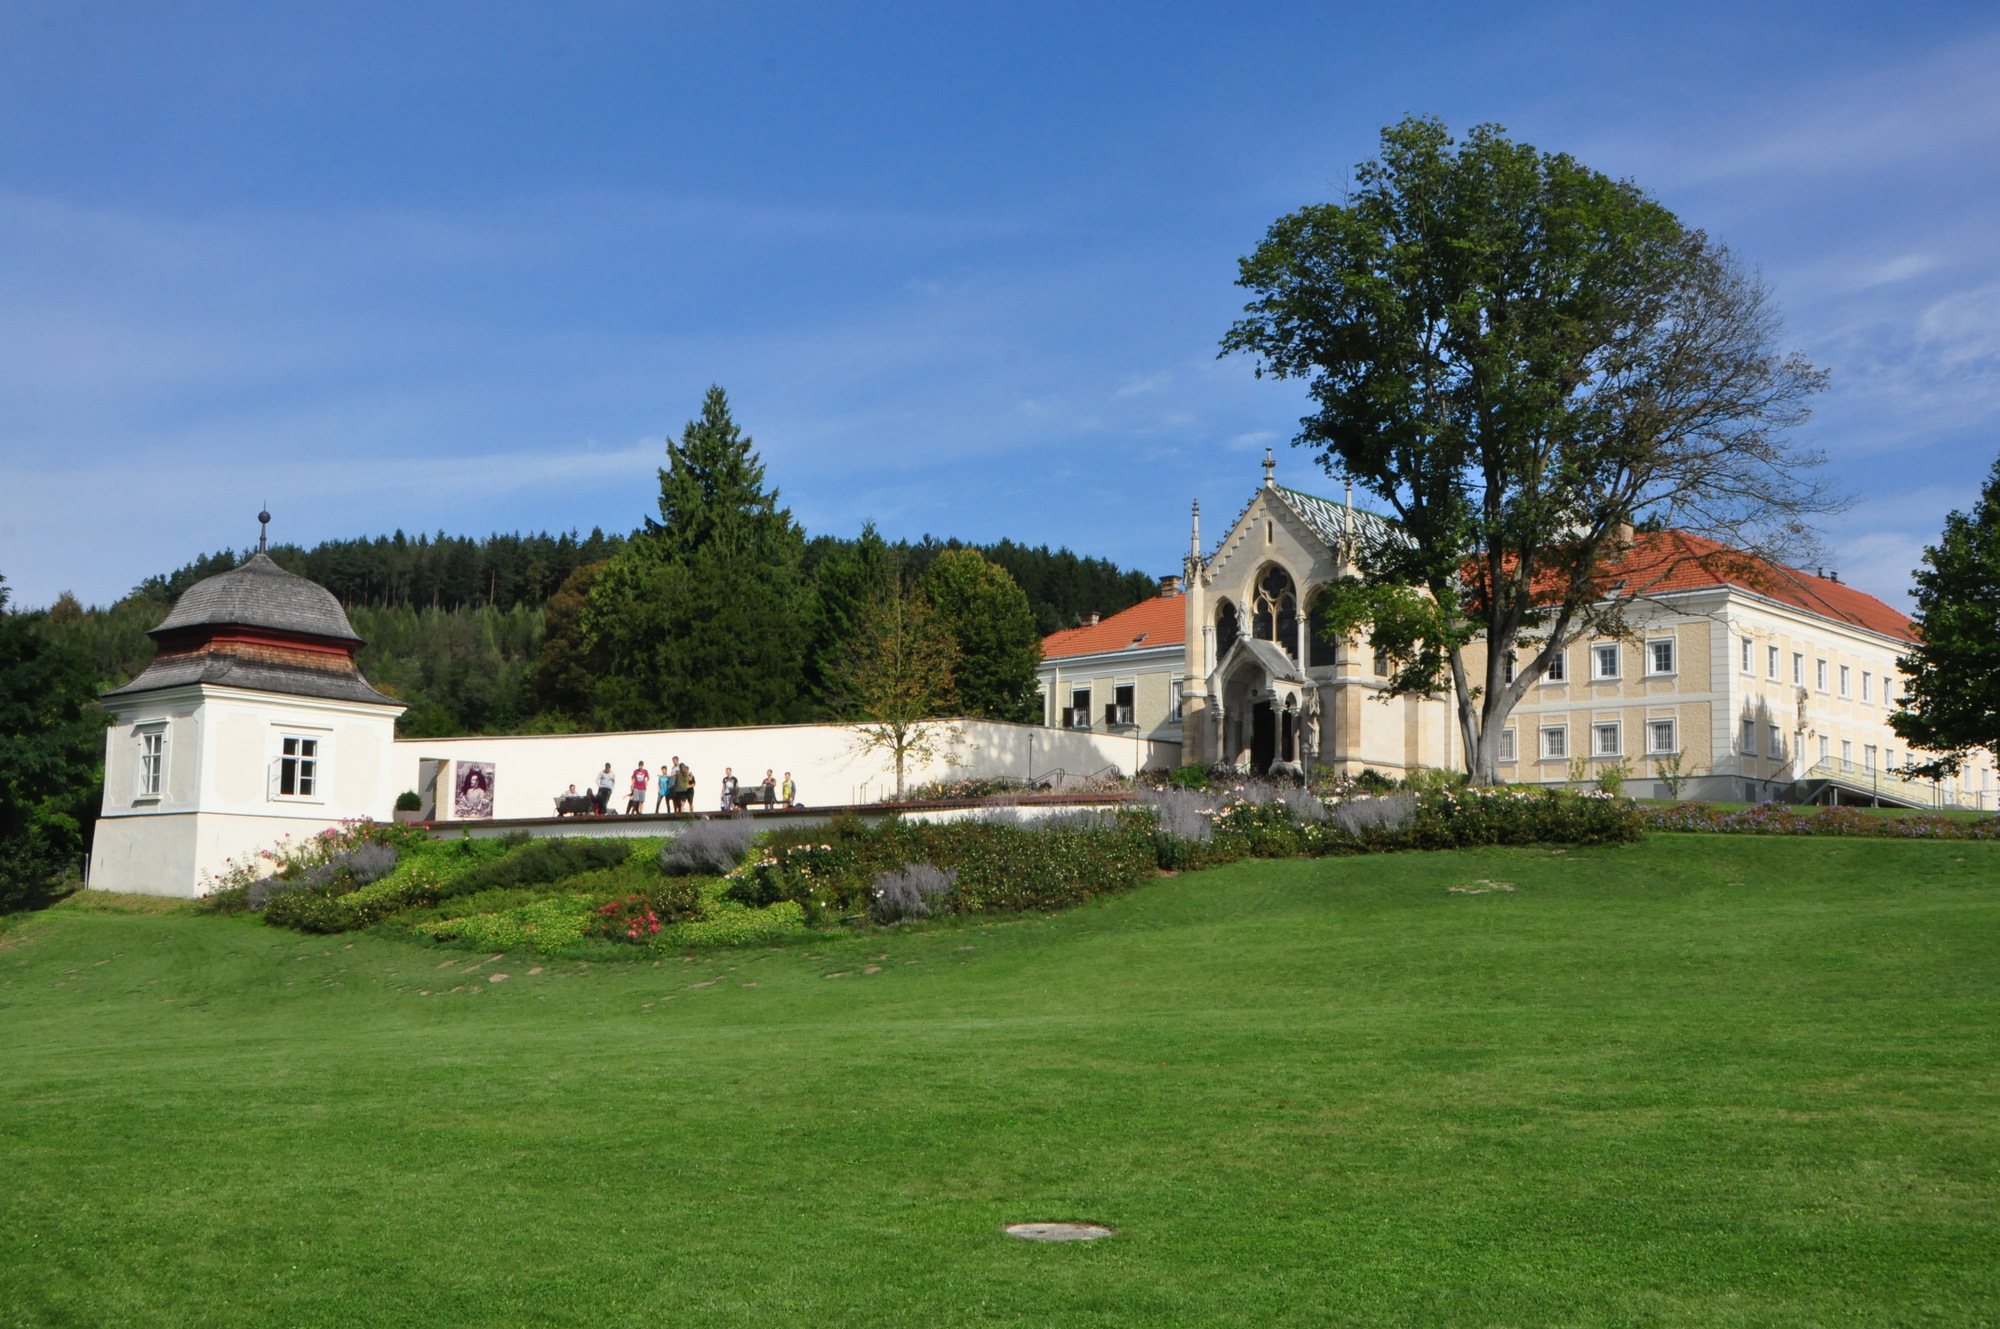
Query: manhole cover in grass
pixel 1057 1231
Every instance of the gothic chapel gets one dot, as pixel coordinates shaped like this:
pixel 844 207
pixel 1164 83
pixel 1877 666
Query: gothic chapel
pixel 1262 686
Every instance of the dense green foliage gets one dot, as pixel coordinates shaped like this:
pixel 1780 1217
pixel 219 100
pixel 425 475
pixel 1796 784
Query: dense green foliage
pixel 986 614
pixel 51 760
pixel 1702 1081
pixel 1951 704
pixel 1496 342
pixel 446 572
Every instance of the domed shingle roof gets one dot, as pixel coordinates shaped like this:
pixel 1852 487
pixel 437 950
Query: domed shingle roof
pixel 260 594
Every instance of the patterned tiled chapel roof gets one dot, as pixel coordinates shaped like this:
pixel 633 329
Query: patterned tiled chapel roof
pixel 1329 520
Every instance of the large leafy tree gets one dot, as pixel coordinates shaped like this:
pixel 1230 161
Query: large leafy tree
pixel 993 630
pixel 1951 705
pixel 697 621
pixel 51 758
pixel 1522 358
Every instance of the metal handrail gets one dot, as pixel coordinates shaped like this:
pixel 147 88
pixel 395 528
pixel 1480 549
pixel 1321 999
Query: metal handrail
pixel 1881 781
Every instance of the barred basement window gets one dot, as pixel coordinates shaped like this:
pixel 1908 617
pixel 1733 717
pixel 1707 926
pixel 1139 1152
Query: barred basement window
pixel 1506 745
pixel 1607 739
pixel 1660 736
pixel 1555 742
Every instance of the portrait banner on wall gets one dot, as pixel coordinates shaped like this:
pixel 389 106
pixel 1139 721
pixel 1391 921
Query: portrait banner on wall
pixel 474 794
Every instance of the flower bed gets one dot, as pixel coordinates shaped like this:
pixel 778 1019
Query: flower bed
pixel 1783 819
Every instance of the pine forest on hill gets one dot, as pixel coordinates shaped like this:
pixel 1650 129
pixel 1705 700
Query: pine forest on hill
pixel 458 627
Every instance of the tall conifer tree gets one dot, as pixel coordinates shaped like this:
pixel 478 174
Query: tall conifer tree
pixel 698 619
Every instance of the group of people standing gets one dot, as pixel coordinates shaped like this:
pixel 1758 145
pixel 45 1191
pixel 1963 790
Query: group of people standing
pixel 674 786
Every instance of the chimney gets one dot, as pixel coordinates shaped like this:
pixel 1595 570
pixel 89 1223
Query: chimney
pixel 1090 620
pixel 1621 535
pixel 1833 575
pixel 1170 584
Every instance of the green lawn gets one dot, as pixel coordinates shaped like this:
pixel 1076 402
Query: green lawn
pixel 1703 1081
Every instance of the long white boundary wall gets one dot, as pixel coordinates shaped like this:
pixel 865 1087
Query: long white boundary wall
pixel 828 762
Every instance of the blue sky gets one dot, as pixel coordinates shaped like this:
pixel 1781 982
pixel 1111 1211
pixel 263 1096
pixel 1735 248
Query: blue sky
pixel 962 269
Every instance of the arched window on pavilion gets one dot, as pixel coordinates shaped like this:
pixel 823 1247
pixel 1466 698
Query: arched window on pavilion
pixel 1226 630
pixel 1274 614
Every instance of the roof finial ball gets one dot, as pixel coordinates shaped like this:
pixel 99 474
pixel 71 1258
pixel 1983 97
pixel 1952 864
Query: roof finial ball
pixel 1270 471
pixel 263 530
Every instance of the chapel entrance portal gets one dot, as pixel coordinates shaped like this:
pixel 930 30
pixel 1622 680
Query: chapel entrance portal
pixel 1263 737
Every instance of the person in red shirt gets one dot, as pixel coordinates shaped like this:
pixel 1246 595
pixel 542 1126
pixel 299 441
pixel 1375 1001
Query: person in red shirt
pixel 635 802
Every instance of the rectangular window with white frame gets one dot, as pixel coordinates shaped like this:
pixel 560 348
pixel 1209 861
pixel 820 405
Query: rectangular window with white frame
pixel 1867 686
pixel 1660 738
pixel 1749 739
pixel 1179 700
pixel 1507 668
pixel 151 771
pixel 1555 743
pixel 1507 745
pixel 1846 681
pixel 1775 740
pixel 296 773
pixel 1798 669
pixel 1824 753
pixel 1868 756
pixel 1748 646
pixel 1604 662
pixel 1821 680
pixel 1558 670
pixel 1605 739
pixel 1076 715
pixel 1121 711
pixel 1660 657
pixel 1847 752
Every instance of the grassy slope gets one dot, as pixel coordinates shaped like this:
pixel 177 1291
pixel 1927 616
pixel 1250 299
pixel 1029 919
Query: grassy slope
pixel 1707 1081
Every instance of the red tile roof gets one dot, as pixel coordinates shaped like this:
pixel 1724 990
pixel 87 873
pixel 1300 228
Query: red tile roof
pixel 1677 561
pixel 1160 621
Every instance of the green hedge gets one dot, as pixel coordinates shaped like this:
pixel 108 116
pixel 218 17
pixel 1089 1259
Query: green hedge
pixel 1000 866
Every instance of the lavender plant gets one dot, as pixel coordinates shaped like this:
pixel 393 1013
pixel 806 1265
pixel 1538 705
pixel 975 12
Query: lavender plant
pixel 917 891
pixel 708 847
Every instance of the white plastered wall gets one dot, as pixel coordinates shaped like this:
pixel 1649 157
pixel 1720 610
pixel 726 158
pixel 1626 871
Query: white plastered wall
pixel 827 762
pixel 216 801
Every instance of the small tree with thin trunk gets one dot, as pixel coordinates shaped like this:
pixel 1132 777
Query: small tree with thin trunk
pixel 896 678
pixel 1951 706
pixel 1522 359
